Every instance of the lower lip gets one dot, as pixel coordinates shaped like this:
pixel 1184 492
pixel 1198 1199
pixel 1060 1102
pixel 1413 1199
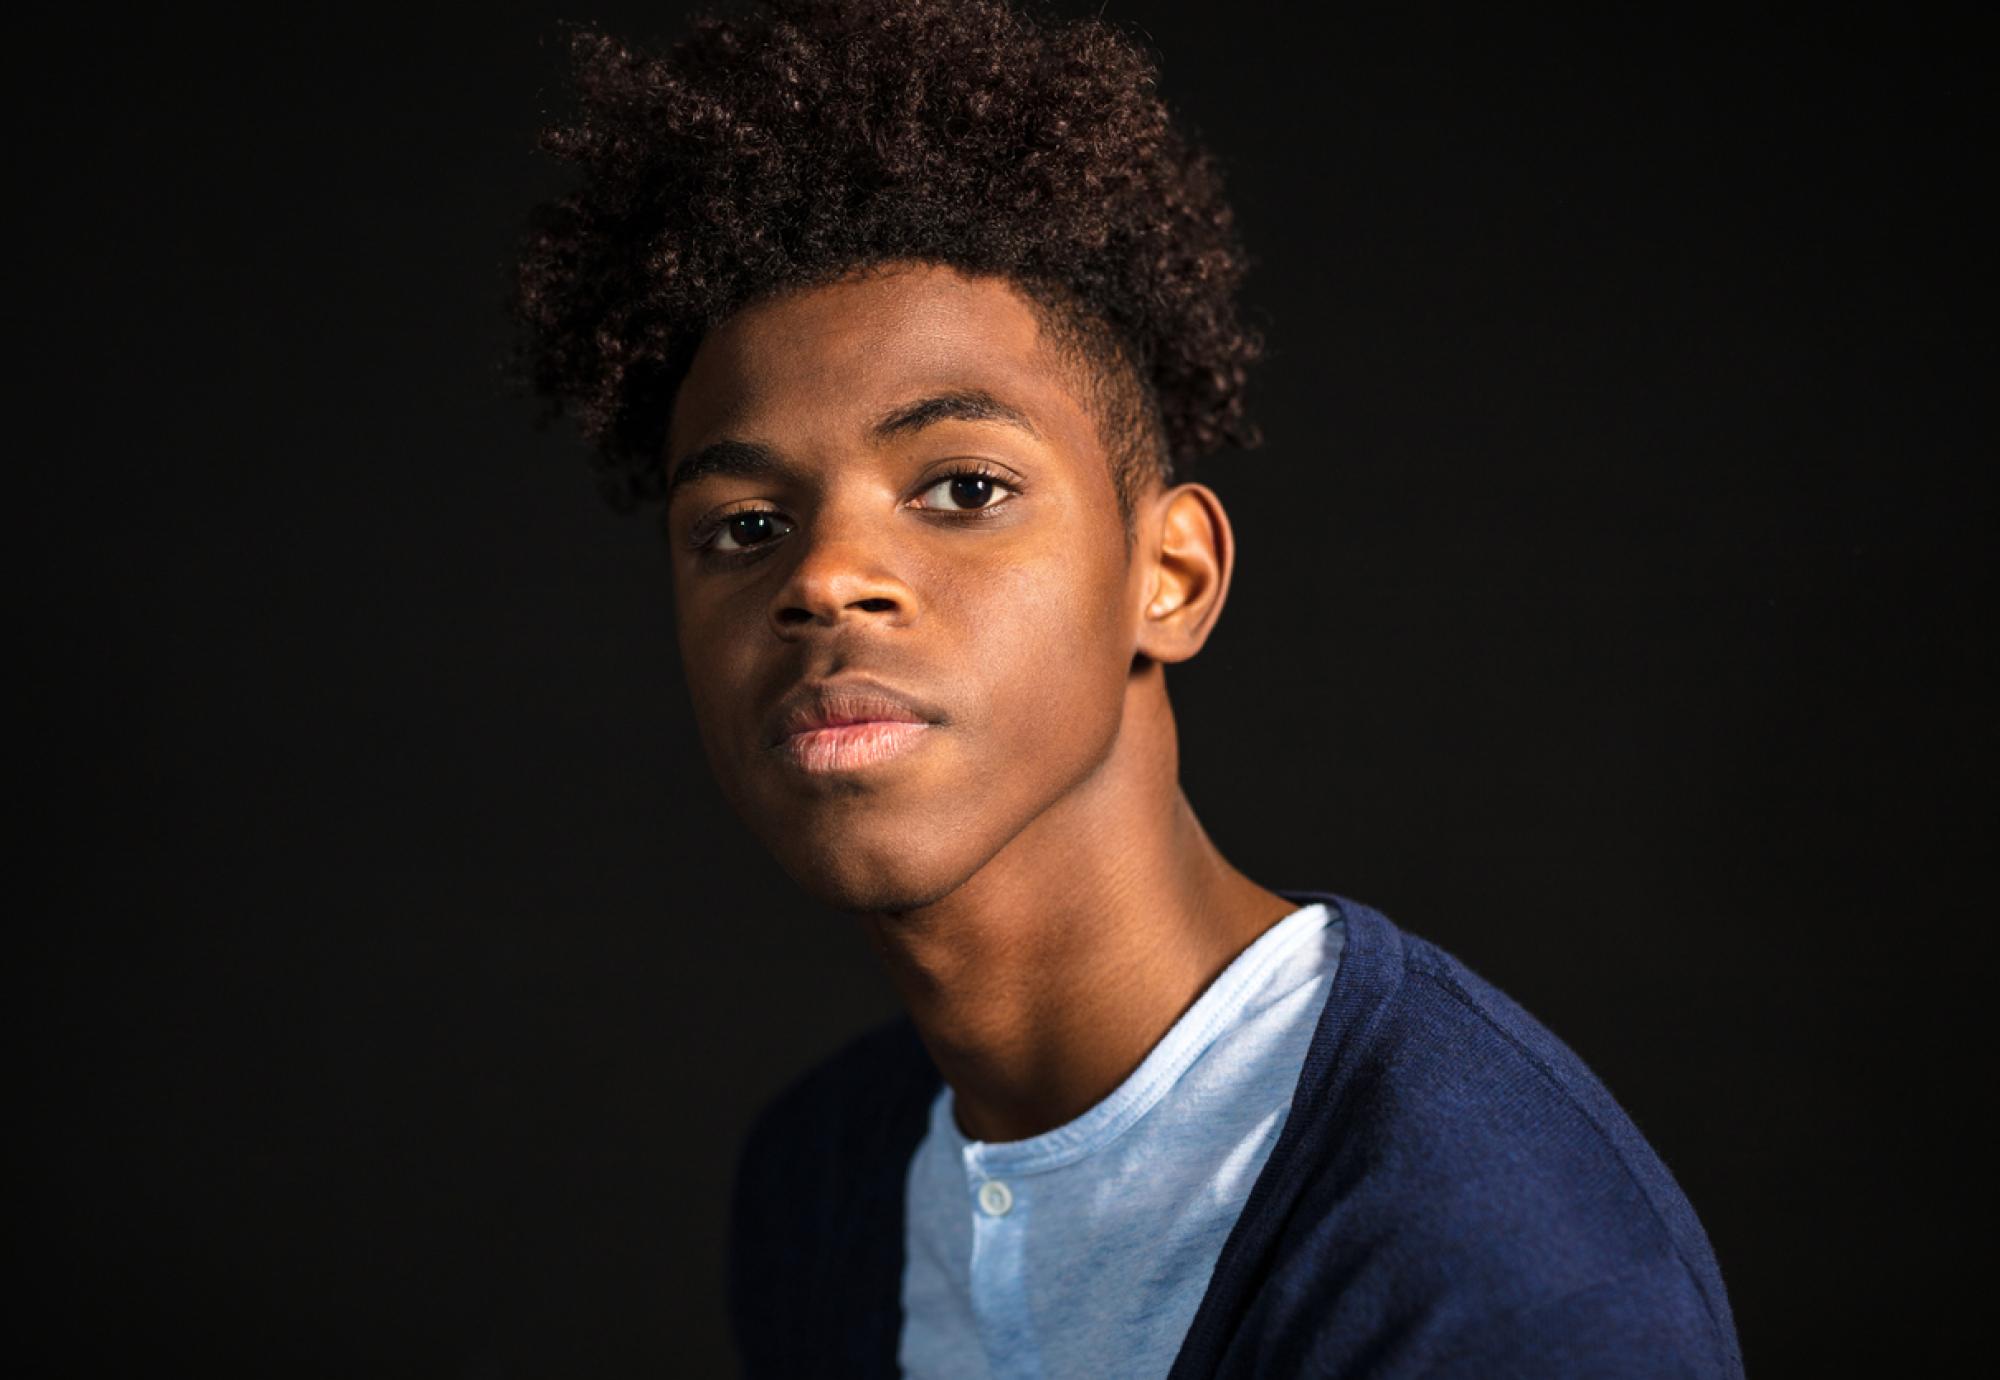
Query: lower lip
pixel 850 747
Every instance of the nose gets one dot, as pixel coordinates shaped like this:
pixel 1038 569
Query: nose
pixel 840 575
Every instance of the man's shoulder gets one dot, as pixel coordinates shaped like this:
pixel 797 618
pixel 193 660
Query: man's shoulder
pixel 1471 1096
pixel 815 1237
pixel 842 1105
pixel 1433 1073
pixel 1455 1158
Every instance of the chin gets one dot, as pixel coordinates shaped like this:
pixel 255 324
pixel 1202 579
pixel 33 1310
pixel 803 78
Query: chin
pixel 861 878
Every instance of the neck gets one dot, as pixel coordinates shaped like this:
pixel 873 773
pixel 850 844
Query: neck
pixel 1043 981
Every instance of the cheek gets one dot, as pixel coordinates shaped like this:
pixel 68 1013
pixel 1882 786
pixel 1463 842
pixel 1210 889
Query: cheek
pixel 1046 641
pixel 718 655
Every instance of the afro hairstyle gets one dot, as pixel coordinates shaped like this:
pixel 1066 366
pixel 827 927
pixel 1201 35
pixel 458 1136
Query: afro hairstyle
pixel 811 139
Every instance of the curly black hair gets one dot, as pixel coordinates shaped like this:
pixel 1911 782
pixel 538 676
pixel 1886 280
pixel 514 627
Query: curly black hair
pixel 813 138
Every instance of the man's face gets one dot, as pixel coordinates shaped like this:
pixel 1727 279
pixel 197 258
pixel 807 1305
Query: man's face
pixel 903 591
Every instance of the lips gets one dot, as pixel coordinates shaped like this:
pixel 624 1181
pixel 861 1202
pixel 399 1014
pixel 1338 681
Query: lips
pixel 847 724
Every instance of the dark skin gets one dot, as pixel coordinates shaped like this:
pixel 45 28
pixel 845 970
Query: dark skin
pixel 1030 872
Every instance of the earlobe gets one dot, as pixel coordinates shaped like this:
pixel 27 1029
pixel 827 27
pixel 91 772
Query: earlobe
pixel 1193 552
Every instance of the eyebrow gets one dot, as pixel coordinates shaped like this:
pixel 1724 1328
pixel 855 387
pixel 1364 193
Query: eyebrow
pixel 749 459
pixel 726 458
pixel 959 405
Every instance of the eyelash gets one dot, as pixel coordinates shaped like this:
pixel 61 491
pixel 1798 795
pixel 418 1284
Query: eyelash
pixel 704 535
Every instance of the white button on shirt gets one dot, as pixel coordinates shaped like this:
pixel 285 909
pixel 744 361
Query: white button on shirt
pixel 1085 1251
pixel 994 1199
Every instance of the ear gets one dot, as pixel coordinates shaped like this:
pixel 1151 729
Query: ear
pixel 1190 552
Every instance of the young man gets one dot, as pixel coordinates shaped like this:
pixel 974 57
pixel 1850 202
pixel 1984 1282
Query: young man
pixel 908 310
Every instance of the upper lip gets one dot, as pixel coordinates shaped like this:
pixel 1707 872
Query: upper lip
pixel 847 700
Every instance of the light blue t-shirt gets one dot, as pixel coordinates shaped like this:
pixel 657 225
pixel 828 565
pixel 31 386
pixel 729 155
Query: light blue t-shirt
pixel 1086 1250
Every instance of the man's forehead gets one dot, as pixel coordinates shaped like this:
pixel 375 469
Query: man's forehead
pixel 848 354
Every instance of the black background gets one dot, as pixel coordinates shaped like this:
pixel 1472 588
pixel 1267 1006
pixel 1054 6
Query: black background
pixel 394 987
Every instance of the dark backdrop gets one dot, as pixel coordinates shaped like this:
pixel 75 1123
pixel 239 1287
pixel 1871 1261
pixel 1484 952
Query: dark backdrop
pixel 394 988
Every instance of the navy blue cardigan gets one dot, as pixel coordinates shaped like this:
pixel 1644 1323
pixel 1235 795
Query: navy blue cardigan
pixel 1453 1194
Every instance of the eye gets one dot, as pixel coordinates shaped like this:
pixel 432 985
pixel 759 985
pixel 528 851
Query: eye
pixel 740 531
pixel 967 491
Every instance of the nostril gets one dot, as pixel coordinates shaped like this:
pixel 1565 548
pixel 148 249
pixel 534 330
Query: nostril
pixel 808 610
